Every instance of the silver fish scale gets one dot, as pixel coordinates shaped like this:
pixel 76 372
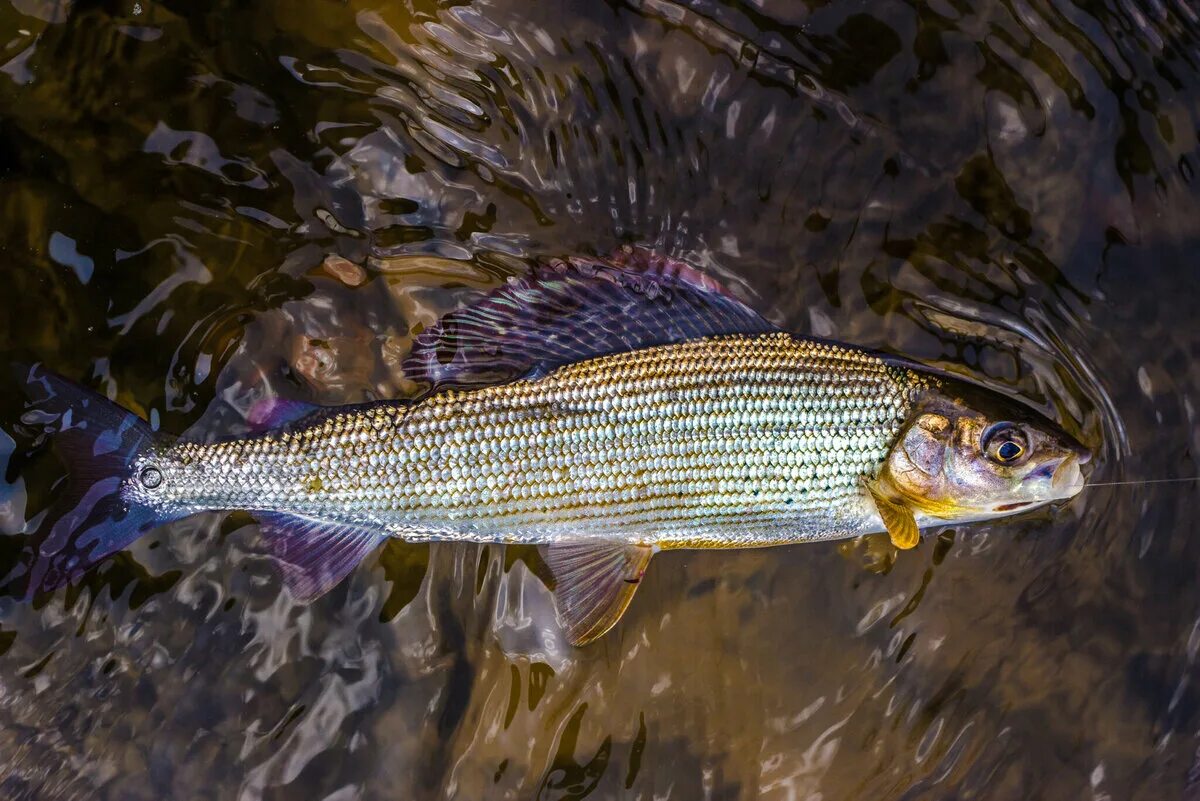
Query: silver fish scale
pixel 722 442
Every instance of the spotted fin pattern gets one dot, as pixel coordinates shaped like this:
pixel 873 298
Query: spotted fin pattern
pixel 569 311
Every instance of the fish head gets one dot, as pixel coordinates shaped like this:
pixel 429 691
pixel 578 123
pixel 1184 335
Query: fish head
pixel 968 454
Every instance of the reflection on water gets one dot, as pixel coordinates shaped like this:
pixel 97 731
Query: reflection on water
pixel 202 206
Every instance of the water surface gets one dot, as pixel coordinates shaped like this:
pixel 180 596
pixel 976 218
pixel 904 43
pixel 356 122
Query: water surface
pixel 203 204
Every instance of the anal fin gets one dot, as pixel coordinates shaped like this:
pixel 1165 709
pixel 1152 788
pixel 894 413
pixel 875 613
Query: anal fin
pixel 594 583
pixel 314 555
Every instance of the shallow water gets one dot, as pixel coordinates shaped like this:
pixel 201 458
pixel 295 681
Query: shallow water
pixel 199 206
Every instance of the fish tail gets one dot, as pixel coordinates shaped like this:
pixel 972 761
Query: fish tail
pixel 91 517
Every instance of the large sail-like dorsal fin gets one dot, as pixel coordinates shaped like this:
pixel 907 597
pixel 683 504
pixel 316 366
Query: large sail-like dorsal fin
pixel 568 311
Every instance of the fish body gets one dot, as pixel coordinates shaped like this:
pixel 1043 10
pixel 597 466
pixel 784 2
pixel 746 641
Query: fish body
pixel 721 442
pixel 602 410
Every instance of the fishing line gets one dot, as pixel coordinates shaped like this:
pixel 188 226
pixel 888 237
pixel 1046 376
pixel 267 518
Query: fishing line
pixel 1149 481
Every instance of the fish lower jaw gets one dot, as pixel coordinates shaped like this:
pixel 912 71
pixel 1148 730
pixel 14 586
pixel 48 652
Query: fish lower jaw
pixel 1068 481
pixel 982 515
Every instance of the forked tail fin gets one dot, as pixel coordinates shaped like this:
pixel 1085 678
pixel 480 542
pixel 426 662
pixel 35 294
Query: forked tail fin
pixel 89 519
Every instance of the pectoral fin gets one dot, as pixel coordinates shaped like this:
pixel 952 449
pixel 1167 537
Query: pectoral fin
pixel 897 518
pixel 594 583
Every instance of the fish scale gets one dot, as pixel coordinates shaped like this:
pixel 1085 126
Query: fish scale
pixel 719 442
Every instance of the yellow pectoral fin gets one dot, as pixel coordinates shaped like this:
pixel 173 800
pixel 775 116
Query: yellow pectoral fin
pixel 898 519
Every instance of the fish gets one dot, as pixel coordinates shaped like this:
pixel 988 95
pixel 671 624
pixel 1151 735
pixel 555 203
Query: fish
pixel 602 410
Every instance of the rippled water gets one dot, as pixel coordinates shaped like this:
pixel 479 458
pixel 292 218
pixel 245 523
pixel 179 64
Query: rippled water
pixel 198 205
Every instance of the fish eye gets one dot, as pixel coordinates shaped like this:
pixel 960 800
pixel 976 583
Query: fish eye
pixel 1008 451
pixel 151 477
pixel 1004 443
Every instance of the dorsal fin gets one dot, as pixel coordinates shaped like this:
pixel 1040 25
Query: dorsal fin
pixel 568 311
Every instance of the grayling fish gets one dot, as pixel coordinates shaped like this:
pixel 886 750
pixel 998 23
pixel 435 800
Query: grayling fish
pixel 600 410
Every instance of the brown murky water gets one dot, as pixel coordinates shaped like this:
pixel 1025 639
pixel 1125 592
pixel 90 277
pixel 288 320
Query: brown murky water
pixel 199 201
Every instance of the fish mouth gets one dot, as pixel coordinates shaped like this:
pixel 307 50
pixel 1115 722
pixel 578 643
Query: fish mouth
pixel 1063 476
pixel 1067 479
